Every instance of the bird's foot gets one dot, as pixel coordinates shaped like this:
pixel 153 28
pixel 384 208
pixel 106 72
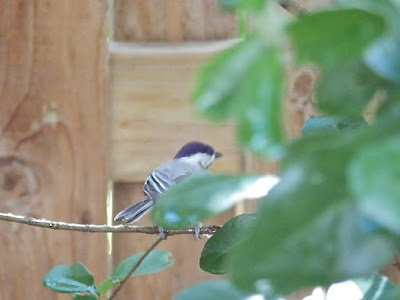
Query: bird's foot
pixel 197 228
pixel 162 233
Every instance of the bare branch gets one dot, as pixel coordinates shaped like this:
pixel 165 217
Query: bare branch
pixel 101 228
pixel 134 268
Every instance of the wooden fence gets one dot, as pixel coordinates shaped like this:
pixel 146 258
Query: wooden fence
pixel 77 111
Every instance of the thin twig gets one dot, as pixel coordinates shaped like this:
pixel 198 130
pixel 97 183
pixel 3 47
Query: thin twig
pixel 134 268
pixel 397 263
pixel 101 228
pixel 293 7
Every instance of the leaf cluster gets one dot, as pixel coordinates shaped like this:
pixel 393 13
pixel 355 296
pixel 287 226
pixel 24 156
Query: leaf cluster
pixel 334 215
pixel 77 280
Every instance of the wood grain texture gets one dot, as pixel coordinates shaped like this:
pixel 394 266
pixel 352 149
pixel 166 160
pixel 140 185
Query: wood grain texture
pixel 171 20
pixel 53 137
pixel 299 106
pixel 184 249
pixel 152 118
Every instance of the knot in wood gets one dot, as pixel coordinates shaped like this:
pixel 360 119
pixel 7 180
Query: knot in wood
pixel 17 179
pixel 303 84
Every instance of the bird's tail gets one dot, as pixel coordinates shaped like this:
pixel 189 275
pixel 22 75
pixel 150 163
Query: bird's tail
pixel 134 212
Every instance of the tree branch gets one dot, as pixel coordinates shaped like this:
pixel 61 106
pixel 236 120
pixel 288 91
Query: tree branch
pixel 134 268
pixel 101 228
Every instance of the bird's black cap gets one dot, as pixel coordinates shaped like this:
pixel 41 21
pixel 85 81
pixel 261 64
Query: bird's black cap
pixel 192 148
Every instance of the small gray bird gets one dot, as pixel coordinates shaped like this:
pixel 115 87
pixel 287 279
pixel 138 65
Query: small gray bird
pixel 192 158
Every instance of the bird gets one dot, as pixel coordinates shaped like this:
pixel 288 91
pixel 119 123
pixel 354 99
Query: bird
pixel 193 157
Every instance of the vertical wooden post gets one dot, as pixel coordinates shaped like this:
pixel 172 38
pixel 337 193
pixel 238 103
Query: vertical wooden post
pixel 146 98
pixel 53 137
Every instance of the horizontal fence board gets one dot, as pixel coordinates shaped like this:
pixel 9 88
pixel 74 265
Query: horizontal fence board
pixel 152 117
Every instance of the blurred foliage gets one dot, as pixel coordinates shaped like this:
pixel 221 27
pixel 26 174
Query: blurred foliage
pixel 335 213
pixel 381 288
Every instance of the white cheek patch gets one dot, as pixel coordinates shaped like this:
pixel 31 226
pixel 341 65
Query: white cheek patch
pixel 201 158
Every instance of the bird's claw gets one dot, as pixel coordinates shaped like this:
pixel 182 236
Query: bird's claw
pixel 197 227
pixel 162 233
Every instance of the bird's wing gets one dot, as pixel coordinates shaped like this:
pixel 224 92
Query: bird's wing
pixel 166 176
pixel 178 170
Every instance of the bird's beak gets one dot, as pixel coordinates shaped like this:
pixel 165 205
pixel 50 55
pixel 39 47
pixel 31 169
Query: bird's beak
pixel 218 154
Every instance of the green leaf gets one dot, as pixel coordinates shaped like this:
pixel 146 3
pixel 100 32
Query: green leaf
pixel 391 106
pixel 245 83
pixel 331 37
pixel 219 81
pixel 221 290
pixel 374 177
pixel 105 286
pixel 75 278
pixel 260 111
pixel 331 124
pixel 383 57
pixel 155 262
pixel 346 88
pixel 255 5
pixel 382 289
pixel 84 297
pixel 308 224
pixel 216 250
pixel 205 195
pixel 210 290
